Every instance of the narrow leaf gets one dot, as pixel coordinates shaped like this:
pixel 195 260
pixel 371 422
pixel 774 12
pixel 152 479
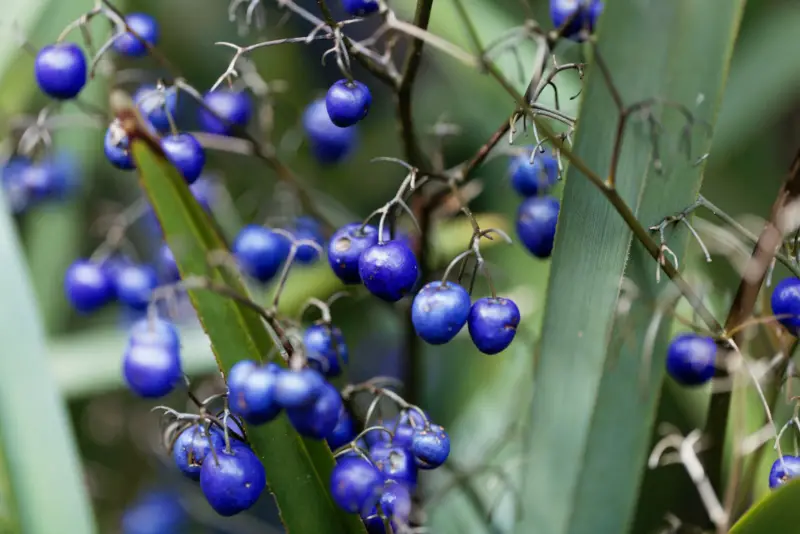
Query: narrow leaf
pixel 777 512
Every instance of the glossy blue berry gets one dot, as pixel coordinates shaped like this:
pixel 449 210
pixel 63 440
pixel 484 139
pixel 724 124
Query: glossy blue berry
pixel 236 380
pixel 317 420
pixel 588 11
pixel 60 70
pixel 395 503
pixel 492 324
pixel 154 331
pixel 388 270
pixel 536 224
pixel 786 303
pixel 155 512
pixel 355 484
pixel 134 284
pixel 151 371
pixel 231 105
pixel 783 470
pixel 326 350
pixel 440 311
pixel 296 389
pixel 87 286
pixel 40 180
pixel 347 102
pixel 192 446
pixel 116 146
pixel 344 432
pixel 329 143
pixel 259 394
pixel 186 153
pixel 430 446
pixel 233 481
pixel 396 463
pixel 307 229
pixel 360 8
pixel 260 252
pixel 532 179
pixel 145 27
pixel 157 105
pixel 691 359
pixel 345 248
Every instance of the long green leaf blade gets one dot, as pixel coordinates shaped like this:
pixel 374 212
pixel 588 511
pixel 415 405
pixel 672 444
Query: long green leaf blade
pixel 777 512
pixel 596 394
pixel 298 470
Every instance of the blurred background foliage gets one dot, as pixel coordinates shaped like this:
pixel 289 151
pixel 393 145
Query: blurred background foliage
pixel 757 132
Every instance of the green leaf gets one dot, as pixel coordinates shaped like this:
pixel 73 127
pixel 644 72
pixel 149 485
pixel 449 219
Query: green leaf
pixel 778 512
pixel 41 457
pixel 298 470
pixel 596 393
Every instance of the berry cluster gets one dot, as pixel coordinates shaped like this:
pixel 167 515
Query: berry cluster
pixel 30 181
pixel 532 177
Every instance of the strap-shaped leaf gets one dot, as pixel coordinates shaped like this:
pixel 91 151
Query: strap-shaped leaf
pixel 777 512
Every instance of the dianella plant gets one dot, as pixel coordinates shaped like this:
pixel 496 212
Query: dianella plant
pixel 565 363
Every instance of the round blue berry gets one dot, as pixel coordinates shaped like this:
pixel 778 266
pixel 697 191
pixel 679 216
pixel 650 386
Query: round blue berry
pixel 344 432
pixel 295 389
pixel 588 11
pixel 329 143
pixel 345 248
pixel 232 481
pixel 440 311
pixel 154 331
pixel 326 350
pixel 395 503
pixel 396 463
pixel 532 179
pixel 691 359
pixel 260 251
pixel 61 70
pixel 259 394
pixel 40 180
pixel 134 284
pixel 783 470
pixel 87 286
pixel 145 27
pixel 536 225
pixel 347 102
pixel 192 446
pixel 492 324
pixel 186 153
pixel 307 229
pixel 13 185
pixel 233 106
pixel 388 270
pixel 157 105
pixel 116 146
pixel 317 420
pixel 167 267
pixel 355 484
pixel 236 380
pixel 430 446
pixel 360 8
pixel 151 371
pixel 156 512
pixel 786 303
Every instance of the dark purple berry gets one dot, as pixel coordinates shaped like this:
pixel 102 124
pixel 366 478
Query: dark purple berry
pixel 355 484
pixel 259 394
pixel 533 179
pixel 430 446
pixel 87 286
pixel 157 105
pixel 134 284
pixel 61 70
pixel 360 8
pixel 786 303
pixel 329 143
pixel 536 224
pixel 347 102
pixel 588 11
pixel 232 481
pixel 145 27
pixel 344 432
pixel 326 350
pixel 151 370
pixel 231 105
pixel 317 420
pixel 388 270
pixel 440 311
pixel 493 324
pixel 192 446
pixel 783 470
pixel 296 389
pixel 116 146
pixel 260 252
pixel 396 463
pixel 186 153
pixel 345 248
pixel 691 359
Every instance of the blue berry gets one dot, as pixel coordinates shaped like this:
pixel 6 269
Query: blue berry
pixel 295 389
pixel 145 27
pixel 205 191
pixel 355 484
pixel 308 229
pixel 12 178
pixel 347 102
pixel 151 370
pixel 786 303
pixel 192 446
pixel 532 179
pixel 236 380
pixel 156 512
pixel 536 224
pixel 588 13
pixel 430 446
pixel 360 8
pixel 344 432
pixel 493 324
pixel 157 105
pixel 329 143
pixel 87 286
pixel 396 463
pixel 691 359
pixel 319 419
pixel 233 481
pixel 260 251
pixel 116 146
pixel 134 284
pixel 40 180
pixel 186 153
pixel 233 106
pixel 783 470
pixel 154 331
pixel 325 349
pixel 167 267
pixel 259 394
pixel 388 270
pixel 61 70
pixel 345 248
pixel 395 503
pixel 440 311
